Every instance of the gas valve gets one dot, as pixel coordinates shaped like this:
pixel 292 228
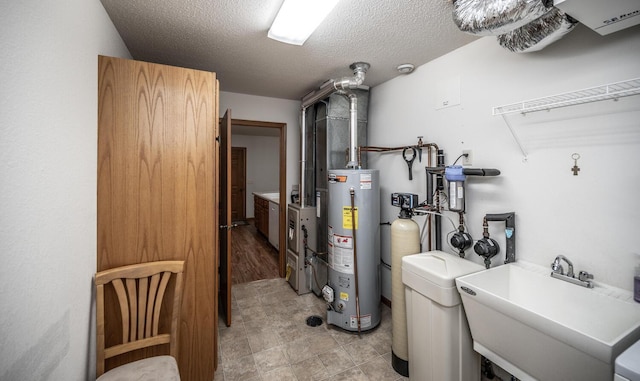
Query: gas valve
pixel 327 293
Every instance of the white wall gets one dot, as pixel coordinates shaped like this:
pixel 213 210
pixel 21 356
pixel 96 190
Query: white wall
pixel 48 150
pixel 263 166
pixel 251 107
pixel 592 218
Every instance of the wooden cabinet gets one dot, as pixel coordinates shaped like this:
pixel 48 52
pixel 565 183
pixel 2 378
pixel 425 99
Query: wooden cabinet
pixel 274 224
pixel 157 195
pixel 261 213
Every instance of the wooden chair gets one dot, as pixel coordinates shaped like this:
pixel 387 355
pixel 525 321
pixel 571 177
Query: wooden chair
pixel 140 291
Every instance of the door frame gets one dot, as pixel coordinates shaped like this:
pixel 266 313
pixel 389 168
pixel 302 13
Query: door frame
pixel 282 186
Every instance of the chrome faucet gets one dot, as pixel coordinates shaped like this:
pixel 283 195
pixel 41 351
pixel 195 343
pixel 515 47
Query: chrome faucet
pixel 557 267
pixel 557 271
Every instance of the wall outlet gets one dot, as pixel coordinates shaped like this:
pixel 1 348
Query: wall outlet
pixel 468 159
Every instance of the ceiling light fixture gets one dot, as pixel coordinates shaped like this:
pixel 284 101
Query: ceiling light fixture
pixel 297 19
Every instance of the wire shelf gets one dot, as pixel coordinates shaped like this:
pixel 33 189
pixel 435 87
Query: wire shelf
pixel 594 94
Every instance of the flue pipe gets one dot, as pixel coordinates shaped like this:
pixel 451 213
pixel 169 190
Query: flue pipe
pixel 344 83
pixel 353 130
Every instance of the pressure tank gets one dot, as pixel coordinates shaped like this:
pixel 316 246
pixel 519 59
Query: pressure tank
pixel 354 254
pixel 405 240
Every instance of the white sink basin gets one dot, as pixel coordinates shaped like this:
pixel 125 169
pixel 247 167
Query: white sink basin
pixel 538 327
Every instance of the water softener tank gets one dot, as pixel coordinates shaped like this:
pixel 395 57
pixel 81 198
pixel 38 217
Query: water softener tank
pixel 354 254
pixel 405 240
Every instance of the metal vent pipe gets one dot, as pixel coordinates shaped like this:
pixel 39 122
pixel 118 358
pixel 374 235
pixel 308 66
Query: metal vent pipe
pixel 353 130
pixel 342 84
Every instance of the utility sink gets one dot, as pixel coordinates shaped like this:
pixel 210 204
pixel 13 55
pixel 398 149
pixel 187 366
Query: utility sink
pixel 541 328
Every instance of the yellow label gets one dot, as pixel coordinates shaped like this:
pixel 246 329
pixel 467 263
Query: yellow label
pixel 344 296
pixel 346 217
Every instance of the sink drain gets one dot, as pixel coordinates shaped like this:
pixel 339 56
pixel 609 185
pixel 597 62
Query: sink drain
pixel 314 321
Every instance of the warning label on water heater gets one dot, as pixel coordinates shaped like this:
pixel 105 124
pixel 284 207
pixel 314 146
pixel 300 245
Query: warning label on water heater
pixel 347 217
pixel 365 321
pixel 333 178
pixel 365 181
pixel 341 254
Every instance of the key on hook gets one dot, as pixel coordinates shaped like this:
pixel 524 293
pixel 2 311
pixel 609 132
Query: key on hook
pixel 575 167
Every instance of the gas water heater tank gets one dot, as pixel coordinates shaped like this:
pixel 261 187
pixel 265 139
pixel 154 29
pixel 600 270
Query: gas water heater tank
pixel 354 254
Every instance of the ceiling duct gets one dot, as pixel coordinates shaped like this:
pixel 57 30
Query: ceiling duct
pixel 539 33
pixel 495 17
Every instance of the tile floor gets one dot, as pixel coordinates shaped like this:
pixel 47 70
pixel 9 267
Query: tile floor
pixel 270 340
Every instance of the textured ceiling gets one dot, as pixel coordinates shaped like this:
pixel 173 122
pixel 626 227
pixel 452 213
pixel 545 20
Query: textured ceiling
pixel 229 37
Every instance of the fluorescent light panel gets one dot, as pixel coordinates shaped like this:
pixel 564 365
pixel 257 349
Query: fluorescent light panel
pixel 297 19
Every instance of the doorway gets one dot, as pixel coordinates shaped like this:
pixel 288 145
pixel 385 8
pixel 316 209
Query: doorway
pixel 238 184
pixel 261 128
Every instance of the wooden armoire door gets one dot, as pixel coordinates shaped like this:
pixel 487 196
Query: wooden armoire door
pixel 157 194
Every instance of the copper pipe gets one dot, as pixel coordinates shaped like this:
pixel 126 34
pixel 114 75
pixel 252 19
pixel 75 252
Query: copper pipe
pixel 381 149
pixel 420 145
pixel 355 255
pixel 388 149
pixel 433 145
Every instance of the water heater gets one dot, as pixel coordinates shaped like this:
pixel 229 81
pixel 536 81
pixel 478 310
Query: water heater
pixel 353 241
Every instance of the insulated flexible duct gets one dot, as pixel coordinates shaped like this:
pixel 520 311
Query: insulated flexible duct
pixel 539 33
pixel 494 17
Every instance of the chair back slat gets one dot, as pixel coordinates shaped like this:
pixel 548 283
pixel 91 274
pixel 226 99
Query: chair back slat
pixel 118 286
pixel 156 311
pixel 143 296
pixel 153 289
pixel 175 319
pixel 133 308
pixel 140 290
pixel 100 329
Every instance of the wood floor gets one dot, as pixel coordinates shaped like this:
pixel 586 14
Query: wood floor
pixel 252 257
